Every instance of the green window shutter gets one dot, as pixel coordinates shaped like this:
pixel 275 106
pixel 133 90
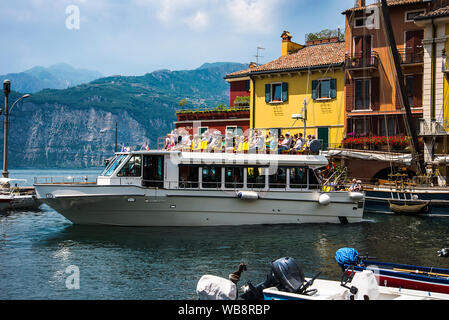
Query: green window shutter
pixel 315 89
pixel 333 93
pixel 284 91
pixel 247 86
pixel 267 93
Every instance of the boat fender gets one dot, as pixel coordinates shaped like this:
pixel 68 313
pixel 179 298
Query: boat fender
pixel 324 200
pixel 216 288
pixel 248 195
pixel 356 196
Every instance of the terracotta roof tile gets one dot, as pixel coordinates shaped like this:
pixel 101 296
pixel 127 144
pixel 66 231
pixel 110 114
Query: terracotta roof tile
pixel 240 73
pixel 441 12
pixel 391 3
pixel 311 56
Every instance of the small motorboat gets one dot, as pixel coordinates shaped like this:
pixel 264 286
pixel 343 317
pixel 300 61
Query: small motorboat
pixel 405 208
pixel 363 286
pixel 16 198
pixel 5 202
pixel 396 275
pixel 286 281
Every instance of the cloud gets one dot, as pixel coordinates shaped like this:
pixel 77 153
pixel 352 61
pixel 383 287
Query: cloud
pixel 252 15
pixel 242 16
pixel 198 21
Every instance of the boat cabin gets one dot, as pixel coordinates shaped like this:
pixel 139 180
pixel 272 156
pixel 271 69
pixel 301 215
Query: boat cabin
pixel 213 171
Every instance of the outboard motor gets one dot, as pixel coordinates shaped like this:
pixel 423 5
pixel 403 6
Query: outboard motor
pixel 285 275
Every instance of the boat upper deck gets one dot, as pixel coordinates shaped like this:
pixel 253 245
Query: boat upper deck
pixel 237 159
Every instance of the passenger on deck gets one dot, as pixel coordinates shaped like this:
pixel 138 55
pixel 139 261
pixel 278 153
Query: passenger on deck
pixel 196 143
pixel 171 142
pixel 299 143
pixel 186 142
pixel 285 144
pixel 356 186
pixel 309 141
pixel 229 142
pixel 273 143
pixel 257 143
pixel 359 186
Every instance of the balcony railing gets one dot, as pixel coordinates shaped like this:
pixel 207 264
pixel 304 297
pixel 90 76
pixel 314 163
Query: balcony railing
pixel 395 144
pixel 362 61
pixel 434 127
pixel 411 56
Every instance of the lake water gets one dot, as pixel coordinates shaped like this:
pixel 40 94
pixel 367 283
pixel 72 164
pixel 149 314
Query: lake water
pixel 166 263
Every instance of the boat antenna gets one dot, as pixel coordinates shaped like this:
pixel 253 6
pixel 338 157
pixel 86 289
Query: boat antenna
pixel 400 80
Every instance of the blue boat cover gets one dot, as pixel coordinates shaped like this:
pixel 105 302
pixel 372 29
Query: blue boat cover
pixel 346 256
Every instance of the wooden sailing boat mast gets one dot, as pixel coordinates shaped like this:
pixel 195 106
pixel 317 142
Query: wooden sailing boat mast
pixel 416 154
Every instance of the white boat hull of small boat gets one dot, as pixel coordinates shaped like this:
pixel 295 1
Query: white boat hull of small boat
pixel 368 289
pixel 18 202
pixel 5 202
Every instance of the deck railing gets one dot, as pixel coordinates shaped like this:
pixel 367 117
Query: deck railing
pixel 237 186
pixel 66 180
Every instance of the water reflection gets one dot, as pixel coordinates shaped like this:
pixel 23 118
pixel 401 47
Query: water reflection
pixel 166 263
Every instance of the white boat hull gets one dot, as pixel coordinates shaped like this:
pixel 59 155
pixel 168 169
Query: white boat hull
pixel 16 202
pixel 141 207
pixel 366 288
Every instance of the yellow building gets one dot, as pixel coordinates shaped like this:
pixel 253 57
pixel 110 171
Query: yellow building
pixel 311 76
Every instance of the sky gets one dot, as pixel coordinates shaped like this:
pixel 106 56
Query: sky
pixel 134 37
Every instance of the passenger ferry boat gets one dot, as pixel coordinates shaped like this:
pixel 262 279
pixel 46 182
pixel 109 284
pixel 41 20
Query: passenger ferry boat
pixel 171 188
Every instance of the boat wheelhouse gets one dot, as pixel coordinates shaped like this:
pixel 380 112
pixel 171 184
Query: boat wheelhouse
pixel 163 188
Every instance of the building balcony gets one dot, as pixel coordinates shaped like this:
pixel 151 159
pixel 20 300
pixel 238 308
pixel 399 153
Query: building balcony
pixel 396 144
pixel 411 57
pixel 213 114
pixel 432 128
pixel 360 61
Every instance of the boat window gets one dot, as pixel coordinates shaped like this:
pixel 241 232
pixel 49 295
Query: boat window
pixel 153 171
pixel 188 177
pixel 108 165
pixel 133 168
pixel 278 180
pixel 234 178
pixel 211 177
pixel 313 180
pixel 255 178
pixel 114 164
pixel 298 178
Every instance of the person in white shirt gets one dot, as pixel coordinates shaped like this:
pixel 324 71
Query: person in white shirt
pixel 299 143
pixel 353 186
pixel 286 143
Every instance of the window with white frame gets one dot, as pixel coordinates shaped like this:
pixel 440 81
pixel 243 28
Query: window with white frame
pixel 411 15
pixel 202 130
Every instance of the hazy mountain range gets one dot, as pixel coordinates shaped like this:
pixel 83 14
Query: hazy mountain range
pixel 75 127
pixel 58 76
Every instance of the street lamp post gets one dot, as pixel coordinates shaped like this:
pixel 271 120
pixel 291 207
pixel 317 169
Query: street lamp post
pixel 6 113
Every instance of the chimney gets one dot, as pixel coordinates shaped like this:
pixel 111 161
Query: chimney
pixel 360 3
pixel 253 65
pixel 288 46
